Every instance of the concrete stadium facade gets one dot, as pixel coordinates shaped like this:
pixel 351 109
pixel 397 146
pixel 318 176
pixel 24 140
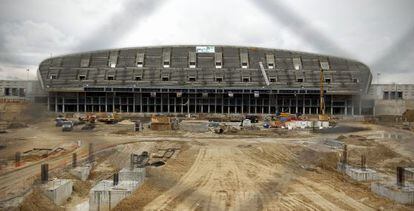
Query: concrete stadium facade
pixel 202 79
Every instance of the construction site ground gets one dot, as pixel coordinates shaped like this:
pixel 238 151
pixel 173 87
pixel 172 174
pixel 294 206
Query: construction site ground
pixel 272 169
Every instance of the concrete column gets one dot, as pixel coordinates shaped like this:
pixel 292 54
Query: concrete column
pixel 161 110
pixel 290 103
pixel 297 107
pixel 222 103
pixel 168 104
pixel 353 107
pixel 331 104
pixel 269 102
pixel 303 104
pixel 48 102
pixel 133 102
pixel 242 104
pixel 113 101
pixel 346 107
pixel 74 160
pixel 140 101
pixel 77 101
pixel 63 104
pixel 56 102
pixel 84 104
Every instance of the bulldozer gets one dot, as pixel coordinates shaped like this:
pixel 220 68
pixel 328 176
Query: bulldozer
pixel 110 118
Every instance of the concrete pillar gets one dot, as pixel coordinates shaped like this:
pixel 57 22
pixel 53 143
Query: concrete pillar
pixel 56 102
pixel 400 176
pixel 296 104
pixel 74 160
pixel 63 104
pixel 346 107
pixel 84 104
pixel 133 102
pixel 17 158
pixel 44 172
pixel 140 102
pixel 363 162
pixel 48 102
pixel 106 102
pixel 331 104
pixel 116 179
pixel 345 155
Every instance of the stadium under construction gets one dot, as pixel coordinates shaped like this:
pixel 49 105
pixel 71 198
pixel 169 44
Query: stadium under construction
pixel 203 79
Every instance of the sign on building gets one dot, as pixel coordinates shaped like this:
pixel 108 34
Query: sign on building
pixel 205 49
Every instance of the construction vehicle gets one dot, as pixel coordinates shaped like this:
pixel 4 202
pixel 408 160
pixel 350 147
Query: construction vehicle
pixel 91 118
pixel 110 118
pixel 67 126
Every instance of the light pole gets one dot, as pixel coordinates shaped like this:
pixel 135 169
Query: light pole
pixel 378 77
pixel 27 73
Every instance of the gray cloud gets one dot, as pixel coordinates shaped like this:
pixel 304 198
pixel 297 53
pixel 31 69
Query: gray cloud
pixel 119 24
pixel 378 33
pixel 298 25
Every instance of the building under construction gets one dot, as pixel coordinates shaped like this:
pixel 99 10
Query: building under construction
pixel 203 79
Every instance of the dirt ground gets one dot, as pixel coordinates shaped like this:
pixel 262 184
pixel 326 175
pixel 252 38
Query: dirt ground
pixel 262 170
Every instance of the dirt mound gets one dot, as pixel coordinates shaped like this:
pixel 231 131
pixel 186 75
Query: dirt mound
pixel 37 201
pixel 409 115
pixel 16 125
pixel 358 140
pixel 375 155
pixel 324 160
pixel 81 188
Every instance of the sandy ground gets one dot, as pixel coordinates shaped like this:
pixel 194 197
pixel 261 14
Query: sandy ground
pixel 271 170
pixel 236 175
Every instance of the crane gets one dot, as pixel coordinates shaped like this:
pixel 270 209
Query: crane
pixel 322 114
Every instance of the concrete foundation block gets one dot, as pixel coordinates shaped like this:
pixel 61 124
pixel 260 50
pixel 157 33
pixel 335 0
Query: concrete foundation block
pixel 403 195
pixel 58 190
pixel 105 196
pixel 136 174
pixel 81 172
pixel 362 174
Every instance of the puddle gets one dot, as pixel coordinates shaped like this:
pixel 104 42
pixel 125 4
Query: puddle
pixel 158 163
pixel 340 129
pixel 385 135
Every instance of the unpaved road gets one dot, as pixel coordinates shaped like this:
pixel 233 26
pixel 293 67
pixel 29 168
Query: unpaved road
pixel 246 177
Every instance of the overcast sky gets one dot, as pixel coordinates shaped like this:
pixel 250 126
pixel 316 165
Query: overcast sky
pixel 379 33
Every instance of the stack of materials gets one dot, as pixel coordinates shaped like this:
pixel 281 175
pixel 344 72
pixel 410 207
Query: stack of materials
pixel 160 123
pixel 199 126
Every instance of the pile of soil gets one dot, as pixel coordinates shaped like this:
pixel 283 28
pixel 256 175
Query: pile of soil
pixel 37 201
pixel 409 115
pixel 324 160
pixel 376 155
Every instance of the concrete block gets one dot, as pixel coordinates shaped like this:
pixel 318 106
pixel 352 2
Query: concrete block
pixel 58 190
pixel 105 196
pixel 81 172
pixel 136 174
pixel 403 195
pixel 409 173
pixel 357 174
pixel 362 174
